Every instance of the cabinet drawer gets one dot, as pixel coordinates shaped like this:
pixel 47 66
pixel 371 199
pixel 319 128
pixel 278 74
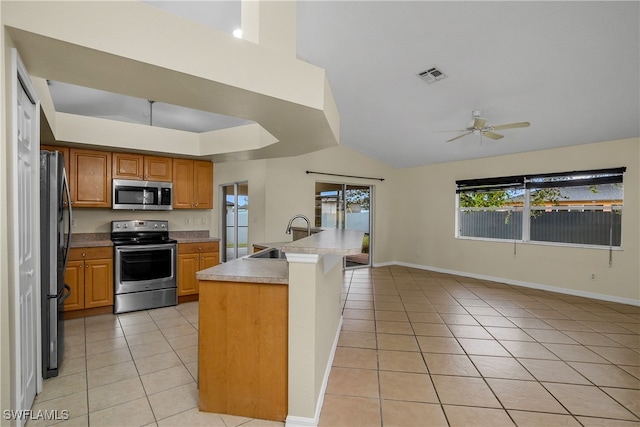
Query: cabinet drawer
pixel 193 248
pixel 100 252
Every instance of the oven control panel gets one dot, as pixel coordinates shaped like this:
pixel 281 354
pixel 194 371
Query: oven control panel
pixel 139 225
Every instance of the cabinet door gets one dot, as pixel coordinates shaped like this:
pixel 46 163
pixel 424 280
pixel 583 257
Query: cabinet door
pixel 90 178
pixel 203 184
pixel 182 184
pixel 74 277
pixel 188 265
pixel 158 168
pixel 98 283
pixel 209 259
pixel 127 166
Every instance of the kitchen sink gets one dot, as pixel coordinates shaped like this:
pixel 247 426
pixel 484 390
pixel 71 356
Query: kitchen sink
pixel 269 253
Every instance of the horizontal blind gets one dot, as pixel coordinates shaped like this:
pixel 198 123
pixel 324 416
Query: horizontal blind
pixel 490 184
pixel 575 178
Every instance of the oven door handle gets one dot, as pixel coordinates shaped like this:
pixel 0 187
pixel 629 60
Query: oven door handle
pixel 138 248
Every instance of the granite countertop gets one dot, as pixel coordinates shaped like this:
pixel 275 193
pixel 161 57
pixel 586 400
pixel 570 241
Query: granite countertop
pixel 255 270
pixel 271 244
pixel 327 241
pixel 195 239
pixel 90 240
pixel 330 241
pixel 248 270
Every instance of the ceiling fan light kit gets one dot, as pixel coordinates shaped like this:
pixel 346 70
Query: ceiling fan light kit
pixel 479 127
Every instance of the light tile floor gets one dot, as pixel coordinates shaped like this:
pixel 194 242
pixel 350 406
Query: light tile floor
pixel 420 348
pixel 416 348
pixel 133 369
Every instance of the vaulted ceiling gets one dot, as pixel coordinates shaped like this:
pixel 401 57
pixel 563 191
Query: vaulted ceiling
pixel 571 69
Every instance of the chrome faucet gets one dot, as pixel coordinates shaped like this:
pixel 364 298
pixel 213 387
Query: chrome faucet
pixel 293 218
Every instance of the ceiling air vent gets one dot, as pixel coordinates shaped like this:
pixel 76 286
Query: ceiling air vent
pixel 432 75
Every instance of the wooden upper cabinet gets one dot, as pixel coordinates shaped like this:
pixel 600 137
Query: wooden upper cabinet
pixel 139 167
pixel 90 178
pixel 127 166
pixel 158 168
pixel 182 183
pixel 192 184
pixel 203 184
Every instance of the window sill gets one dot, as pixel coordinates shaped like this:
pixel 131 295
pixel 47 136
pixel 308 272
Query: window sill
pixel 537 243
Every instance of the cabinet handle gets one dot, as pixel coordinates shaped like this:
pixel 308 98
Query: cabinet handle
pixel 86 266
pixel 84 254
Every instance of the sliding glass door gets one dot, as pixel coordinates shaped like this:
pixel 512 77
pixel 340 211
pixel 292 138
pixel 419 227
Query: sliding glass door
pixel 235 220
pixel 348 207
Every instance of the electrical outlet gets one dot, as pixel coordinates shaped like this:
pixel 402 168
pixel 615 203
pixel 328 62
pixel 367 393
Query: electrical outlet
pixel 593 276
pixel 418 253
pixel 196 221
pixel 205 221
pixel 74 222
pixel 187 221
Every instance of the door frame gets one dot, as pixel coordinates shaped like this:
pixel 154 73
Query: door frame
pixel 223 219
pixel 20 76
pixel 345 186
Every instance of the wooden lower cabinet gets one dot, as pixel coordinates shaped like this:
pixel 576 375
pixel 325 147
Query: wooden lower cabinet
pixel 89 274
pixel 243 349
pixel 193 257
pixel 74 278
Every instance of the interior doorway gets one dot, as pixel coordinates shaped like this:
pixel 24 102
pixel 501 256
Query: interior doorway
pixel 349 207
pixel 235 220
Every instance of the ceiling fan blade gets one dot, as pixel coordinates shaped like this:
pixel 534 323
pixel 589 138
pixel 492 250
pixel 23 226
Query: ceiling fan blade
pixel 492 135
pixel 479 123
pixel 452 130
pixel 459 136
pixel 511 126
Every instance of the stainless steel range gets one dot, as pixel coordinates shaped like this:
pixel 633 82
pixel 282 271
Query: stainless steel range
pixel 145 265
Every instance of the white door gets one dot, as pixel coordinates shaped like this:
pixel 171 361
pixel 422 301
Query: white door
pixel 27 150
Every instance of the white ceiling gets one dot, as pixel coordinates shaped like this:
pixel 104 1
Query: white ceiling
pixel 571 69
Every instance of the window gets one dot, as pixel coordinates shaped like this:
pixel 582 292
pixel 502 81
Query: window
pixel 580 207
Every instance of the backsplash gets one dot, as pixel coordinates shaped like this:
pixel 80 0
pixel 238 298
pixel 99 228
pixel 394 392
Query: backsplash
pixel 99 220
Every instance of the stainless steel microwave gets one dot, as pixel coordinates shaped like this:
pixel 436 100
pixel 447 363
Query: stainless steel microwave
pixel 142 195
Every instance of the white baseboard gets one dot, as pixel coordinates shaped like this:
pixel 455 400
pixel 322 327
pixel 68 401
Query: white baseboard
pixel 294 421
pixel 565 291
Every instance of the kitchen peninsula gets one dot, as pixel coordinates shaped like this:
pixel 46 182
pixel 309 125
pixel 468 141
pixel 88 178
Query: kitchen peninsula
pixel 268 329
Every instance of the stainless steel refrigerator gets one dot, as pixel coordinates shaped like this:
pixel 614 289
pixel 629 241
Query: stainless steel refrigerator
pixel 54 252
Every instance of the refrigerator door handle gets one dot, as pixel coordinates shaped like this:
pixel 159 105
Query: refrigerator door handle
pixel 65 184
pixel 65 295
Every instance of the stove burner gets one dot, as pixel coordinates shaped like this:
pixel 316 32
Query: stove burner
pixel 135 232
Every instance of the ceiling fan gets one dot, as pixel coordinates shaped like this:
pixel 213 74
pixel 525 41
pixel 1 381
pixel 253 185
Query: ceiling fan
pixel 479 127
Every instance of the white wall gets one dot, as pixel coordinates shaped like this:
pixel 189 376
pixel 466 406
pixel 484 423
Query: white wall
pixel 283 189
pixel 415 213
pixel 425 213
pixel 92 220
